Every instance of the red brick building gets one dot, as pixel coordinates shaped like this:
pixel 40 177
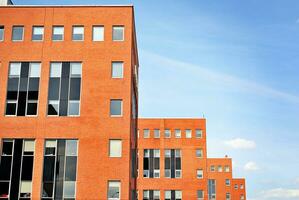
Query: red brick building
pixel 173 163
pixel 68 114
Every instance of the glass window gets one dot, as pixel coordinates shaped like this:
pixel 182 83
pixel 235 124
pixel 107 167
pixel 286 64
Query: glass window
pixel 1 33
pixel 156 194
pixel 227 182
pixel 114 190
pixel 58 33
pixel 226 168
pixel 188 133
pixel 74 108
pixel 53 108
pixel 14 69
pixel 115 148
pixel 17 33
pixel 198 133
pixel 71 147
pixel 55 70
pixel 117 69
pixel 200 173
pixel 212 168
pixel 156 133
pixel 236 186
pixel 178 194
pixel 167 133
pixel 34 70
pixel 116 107
pixel 29 146
pixel 167 194
pixel 146 133
pixel 78 33
pixel 98 33
pixel 25 189
pixel 219 168
pixel 37 33
pixel 227 196
pixel 76 69
pixel 69 189
pixel 177 133
pixel 199 153
pixel 118 33
pixel 199 194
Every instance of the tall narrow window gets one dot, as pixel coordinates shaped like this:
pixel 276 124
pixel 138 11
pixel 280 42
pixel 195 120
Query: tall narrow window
pixel 114 190
pixel 212 189
pixel 227 182
pixel 226 168
pixel 64 89
pixel 78 33
pixel 37 33
pixel 227 196
pixel 98 33
pixel 22 89
pixel 173 167
pixel 116 107
pixel 16 168
pixel 151 163
pixel 60 169
pixel 118 33
pixel 17 33
pixel 1 33
pixel 58 33
pixel 115 148
pixel 117 69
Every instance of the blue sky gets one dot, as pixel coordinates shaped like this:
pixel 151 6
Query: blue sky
pixel 236 63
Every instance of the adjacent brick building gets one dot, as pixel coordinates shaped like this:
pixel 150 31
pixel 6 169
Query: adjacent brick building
pixel 68 114
pixel 173 163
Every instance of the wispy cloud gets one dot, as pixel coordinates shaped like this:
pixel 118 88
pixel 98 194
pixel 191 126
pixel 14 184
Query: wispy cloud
pixel 251 166
pixel 280 193
pixel 240 143
pixel 205 73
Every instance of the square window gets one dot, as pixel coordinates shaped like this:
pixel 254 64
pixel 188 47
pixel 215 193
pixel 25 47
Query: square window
pixel 117 69
pixel 178 194
pixel 198 133
pixel 146 133
pixel 76 69
pixel 199 153
pixel 114 190
pixel 34 70
pixel 167 133
pixel 177 133
pixel 58 33
pixel 37 33
pixel 156 194
pixel 116 107
pixel 17 33
pixel 199 194
pixel 69 189
pixel 227 182
pixel 53 108
pixel 98 33
pixel 74 108
pixel 78 33
pixel 14 69
pixel 115 148
pixel 188 133
pixel 118 33
pixel 11 108
pixel 199 173
pixel 1 33
pixel 55 70
pixel 219 168
pixel 31 108
pixel 156 133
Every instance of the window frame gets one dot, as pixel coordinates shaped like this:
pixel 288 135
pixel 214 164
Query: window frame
pixel 12 33
pixel 43 35
pixel 110 145
pixel 83 34
pixel 121 108
pixel 122 69
pixel 93 33
pixel 123 33
pixel 57 26
pixel 3 31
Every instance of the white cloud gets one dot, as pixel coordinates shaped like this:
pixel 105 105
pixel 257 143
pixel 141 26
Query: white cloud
pixel 251 166
pixel 280 193
pixel 239 143
pixel 222 79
